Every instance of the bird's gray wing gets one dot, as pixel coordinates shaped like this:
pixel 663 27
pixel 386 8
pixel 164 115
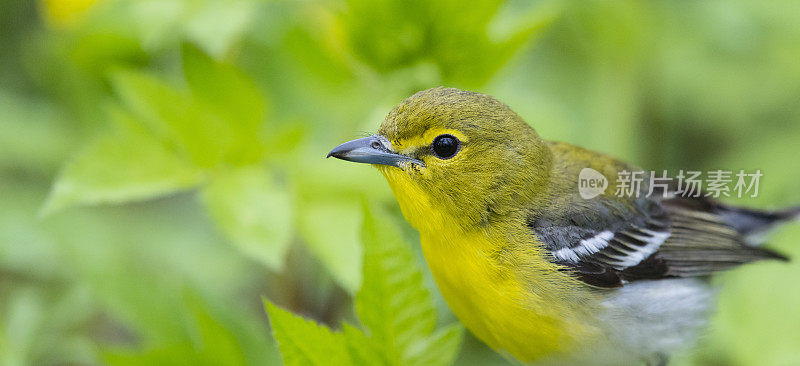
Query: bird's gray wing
pixel 607 242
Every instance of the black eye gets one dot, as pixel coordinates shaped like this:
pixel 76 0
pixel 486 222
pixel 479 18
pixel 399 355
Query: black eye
pixel 445 146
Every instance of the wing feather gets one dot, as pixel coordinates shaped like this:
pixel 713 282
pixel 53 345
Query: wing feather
pixel 676 237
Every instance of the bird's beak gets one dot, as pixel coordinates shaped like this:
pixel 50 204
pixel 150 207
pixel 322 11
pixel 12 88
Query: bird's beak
pixel 371 150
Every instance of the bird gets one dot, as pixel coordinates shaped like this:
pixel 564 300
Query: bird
pixel 534 269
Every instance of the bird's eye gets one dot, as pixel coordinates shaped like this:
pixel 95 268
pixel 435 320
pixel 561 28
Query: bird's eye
pixel 445 146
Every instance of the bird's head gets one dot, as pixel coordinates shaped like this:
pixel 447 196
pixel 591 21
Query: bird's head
pixel 456 153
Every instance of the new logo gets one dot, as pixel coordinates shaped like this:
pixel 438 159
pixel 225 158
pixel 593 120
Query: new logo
pixel 591 183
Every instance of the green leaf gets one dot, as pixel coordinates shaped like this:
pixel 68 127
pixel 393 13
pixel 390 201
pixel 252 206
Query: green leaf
pixel 212 340
pixel 224 86
pixel 253 210
pixel 362 349
pixel 127 166
pixel 232 95
pixel 394 304
pixel 177 354
pixel 175 117
pixel 204 340
pixel 468 49
pixel 330 230
pixel 392 35
pixel 440 348
pixel 304 342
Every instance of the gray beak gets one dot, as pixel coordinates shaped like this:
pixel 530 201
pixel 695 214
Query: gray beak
pixel 371 150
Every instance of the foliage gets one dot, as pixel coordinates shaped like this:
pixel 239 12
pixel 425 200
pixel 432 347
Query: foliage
pixel 169 139
pixel 209 135
pixel 162 161
pixel 398 34
pixel 393 306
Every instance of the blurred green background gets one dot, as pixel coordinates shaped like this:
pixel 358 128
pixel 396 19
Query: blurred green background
pixel 162 161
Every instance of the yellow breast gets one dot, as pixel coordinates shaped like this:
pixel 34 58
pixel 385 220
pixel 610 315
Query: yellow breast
pixel 491 301
pixel 508 295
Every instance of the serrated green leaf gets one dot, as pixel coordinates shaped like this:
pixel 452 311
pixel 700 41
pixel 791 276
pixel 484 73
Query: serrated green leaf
pixel 253 210
pixel 304 342
pixel 175 117
pixel 127 166
pixel 330 230
pixel 231 95
pixel 393 302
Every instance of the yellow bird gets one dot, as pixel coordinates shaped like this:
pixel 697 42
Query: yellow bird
pixel 532 267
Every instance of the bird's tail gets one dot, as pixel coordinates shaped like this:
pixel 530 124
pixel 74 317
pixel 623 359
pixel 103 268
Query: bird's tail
pixel 754 224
